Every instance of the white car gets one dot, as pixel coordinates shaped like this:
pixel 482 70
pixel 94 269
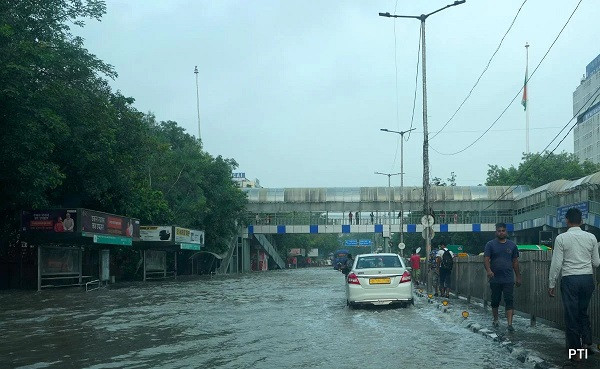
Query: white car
pixel 379 279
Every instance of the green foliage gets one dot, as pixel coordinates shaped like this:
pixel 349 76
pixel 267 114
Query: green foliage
pixel 69 140
pixel 540 168
pixel 326 243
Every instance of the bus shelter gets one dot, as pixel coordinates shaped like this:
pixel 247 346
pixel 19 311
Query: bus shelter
pixel 162 243
pixel 74 245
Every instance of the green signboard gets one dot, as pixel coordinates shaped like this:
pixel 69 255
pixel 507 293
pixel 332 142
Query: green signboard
pixel 189 246
pixel 109 239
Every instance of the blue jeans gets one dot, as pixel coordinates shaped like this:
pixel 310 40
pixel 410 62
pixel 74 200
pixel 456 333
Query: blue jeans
pixel 576 292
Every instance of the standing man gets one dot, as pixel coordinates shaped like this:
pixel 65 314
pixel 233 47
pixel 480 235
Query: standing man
pixel 575 254
pixel 350 217
pixel 501 258
pixel 445 262
pixel 357 216
pixel 68 223
pixel 415 264
pixel 372 217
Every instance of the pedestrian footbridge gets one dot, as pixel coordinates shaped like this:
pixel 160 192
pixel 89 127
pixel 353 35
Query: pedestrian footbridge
pixel 530 214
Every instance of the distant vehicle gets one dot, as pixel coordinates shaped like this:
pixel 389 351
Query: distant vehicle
pixel 339 258
pixel 379 279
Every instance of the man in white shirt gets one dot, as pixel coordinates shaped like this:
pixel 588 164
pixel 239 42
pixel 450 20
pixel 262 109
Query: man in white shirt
pixel 68 223
pixel 575 254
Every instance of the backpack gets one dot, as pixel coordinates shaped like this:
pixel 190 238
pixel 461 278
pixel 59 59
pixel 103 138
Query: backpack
pixel 447 261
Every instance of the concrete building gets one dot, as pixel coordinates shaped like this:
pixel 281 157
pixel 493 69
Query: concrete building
pixel 587 108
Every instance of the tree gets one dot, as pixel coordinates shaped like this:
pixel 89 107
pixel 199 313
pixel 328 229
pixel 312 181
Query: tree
pixel 437 181
pixel 452 179
pixel 540 168
pixel 68 140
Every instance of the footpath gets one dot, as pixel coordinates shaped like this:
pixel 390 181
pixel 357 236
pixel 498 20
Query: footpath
pixel 542 345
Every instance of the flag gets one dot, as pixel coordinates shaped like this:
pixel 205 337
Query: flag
pixel 524 99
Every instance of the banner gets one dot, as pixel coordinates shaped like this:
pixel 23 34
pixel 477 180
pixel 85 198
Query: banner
pixel 156 233
pixel 184 235
pixel 562 210
pixel 103 223
pixel 50 221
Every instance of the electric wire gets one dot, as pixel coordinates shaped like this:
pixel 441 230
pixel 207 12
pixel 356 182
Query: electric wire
pixel 482 73
pixel 595 96
pixel 518 93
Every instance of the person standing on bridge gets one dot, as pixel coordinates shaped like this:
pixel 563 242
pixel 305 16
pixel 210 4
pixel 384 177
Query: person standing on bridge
pixel 350 217
pixel 501 257
pixel 575 254
pixel 357 217
pixel 372 217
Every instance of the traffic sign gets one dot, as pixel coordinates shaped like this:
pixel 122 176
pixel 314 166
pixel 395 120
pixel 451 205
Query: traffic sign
pixel 401 245
pixel 427 220
pixel 431 233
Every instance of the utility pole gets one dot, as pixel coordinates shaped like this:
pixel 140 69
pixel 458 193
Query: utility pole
pixel 389 175
pixel 197 102
pixel 526 98
pixel 401 133
pixel 426 206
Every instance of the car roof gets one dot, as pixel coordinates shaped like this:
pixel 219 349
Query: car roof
pixel 382 254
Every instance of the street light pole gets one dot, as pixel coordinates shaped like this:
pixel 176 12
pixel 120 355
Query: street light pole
pixel 401 133
pixel 197 101
pixel 426 206
pixel 389 175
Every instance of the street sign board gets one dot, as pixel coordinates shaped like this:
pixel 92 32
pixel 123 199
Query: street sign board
pixel 431 233
pixel 427 220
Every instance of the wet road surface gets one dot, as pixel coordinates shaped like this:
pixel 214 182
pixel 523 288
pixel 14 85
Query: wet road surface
pixel 276 319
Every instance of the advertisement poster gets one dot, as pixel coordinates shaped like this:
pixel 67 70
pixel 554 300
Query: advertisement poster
pixel 156 233
pixel 184 235
pixel 103 223
pixel 51 221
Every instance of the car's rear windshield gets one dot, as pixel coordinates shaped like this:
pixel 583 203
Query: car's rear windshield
pixel 383 261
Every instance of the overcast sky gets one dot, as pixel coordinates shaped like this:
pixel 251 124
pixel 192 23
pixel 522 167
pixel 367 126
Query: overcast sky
pixel 296 91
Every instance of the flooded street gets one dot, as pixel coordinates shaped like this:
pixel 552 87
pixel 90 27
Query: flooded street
pixel 286 319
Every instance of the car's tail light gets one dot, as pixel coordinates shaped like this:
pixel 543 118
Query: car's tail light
pixel 405 277
pixel 353 279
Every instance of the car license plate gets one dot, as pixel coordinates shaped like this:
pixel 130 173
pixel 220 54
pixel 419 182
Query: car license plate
pixel 380 281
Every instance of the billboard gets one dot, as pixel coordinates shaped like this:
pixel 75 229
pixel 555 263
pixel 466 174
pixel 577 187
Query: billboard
pixel 49 221
pixel 156 233
pixel 103 223
pixel 184 235
pixel 562 210
pixel 313 253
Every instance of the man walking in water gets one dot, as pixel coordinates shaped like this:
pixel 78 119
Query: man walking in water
pixel 501 258
pixel 575 254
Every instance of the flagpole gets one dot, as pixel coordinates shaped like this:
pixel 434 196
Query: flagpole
pixel 527 98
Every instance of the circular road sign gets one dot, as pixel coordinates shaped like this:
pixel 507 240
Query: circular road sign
pixel 427 220
pixel 401 245
pixel 431 233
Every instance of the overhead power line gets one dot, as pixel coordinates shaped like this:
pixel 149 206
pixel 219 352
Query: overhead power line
pixel 595 96
pixel 414 100
pixel 518 92
pixel 482 73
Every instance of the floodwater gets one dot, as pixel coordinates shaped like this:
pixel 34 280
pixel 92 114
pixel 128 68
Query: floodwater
pixel 276 319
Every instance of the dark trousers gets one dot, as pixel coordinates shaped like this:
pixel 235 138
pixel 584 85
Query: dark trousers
pixel 499 289
pixel 576 292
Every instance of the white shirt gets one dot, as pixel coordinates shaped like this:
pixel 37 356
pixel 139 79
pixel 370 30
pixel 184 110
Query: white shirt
pixel 575 251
